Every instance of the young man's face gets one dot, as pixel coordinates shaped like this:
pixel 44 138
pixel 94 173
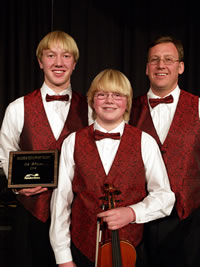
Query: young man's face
pixel 58 66
pixel 110 109
pixel 163 68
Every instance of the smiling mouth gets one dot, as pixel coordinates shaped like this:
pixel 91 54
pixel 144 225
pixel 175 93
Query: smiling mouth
pixel 107 108
pixel 161 74
pixel 58 71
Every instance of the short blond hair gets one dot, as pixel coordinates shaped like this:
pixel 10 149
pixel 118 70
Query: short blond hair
pixel 64 40
pixel 111 80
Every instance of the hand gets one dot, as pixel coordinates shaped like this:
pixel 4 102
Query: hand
pixel 32 191
pixel 68 264
pixel 118 217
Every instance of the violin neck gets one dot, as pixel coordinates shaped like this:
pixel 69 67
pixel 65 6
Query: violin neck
pixel 116 252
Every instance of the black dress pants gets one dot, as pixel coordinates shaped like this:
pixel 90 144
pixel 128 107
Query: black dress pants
pixel 31 245
pixel 171 242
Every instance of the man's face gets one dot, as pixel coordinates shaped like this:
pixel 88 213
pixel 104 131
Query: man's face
pixel 163 68
pixel 58 66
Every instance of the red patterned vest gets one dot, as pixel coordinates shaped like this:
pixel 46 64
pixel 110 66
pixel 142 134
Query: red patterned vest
pixel 37 135
pixel 126 174
pixel 180 150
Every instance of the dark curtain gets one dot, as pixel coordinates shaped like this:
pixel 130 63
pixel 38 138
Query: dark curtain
pixel 110 34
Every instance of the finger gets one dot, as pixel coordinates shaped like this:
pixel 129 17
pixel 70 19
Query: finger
pixel 32 191
pixel 102 214
pixel 35 193
pixel 106 213
pixel 113 227
pixel 39 189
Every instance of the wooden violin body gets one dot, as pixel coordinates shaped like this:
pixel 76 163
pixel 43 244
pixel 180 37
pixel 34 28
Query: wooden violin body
pixel 128 255
pixel 115 252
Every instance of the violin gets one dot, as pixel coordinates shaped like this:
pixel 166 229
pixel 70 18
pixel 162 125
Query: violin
pixel 115 252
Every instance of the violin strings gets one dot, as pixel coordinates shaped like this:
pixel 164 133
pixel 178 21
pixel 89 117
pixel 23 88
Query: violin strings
pixel 116 249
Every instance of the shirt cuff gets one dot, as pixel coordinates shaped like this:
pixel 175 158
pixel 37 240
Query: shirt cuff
pixel 138 208
pixel 63 256
pixel 15 191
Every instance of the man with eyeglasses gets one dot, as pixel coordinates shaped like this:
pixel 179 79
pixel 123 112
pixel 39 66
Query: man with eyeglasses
pixel 171 116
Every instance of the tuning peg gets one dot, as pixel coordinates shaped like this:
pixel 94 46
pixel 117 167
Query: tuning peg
pixel 117 192
pixel 104 198
pixel 118 200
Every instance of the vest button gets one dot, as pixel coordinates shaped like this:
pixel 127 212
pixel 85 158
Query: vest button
pixel 163 151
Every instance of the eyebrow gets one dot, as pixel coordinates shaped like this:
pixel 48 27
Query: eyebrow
pixel 165 55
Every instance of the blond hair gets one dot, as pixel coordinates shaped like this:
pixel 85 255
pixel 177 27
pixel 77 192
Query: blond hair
pixel 65 41
pixel 111 80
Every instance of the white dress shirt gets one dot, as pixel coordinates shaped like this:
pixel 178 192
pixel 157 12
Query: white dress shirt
pixel 56 111
pixel 158 203
pixel 163 114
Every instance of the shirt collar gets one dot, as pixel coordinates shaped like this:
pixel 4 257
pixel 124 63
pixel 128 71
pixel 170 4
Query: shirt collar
pixel 47 90
pixel 119 128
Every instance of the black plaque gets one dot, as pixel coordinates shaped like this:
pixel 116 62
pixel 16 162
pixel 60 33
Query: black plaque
pixel 33 168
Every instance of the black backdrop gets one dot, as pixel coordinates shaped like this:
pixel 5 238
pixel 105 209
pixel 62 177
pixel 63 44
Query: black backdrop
pixel 110 34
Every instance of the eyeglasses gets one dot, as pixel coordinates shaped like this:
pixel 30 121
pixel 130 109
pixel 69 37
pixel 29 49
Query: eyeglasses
pixel 166 60
pixel 104 95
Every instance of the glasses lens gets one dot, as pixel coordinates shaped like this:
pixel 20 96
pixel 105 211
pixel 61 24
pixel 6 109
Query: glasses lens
pixel 115 96
pixel 166 60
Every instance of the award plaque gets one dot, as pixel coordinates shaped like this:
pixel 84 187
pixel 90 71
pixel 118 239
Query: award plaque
pixel 33 168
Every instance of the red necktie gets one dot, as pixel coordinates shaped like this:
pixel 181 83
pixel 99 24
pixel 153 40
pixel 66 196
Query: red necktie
pixel 57 98
pixel 156 101
pixel 101 135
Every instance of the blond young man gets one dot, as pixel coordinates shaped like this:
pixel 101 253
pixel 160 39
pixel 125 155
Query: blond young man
pixel 130 163
pixel 40 121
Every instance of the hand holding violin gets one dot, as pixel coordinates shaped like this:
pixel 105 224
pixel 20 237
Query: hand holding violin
pixel 118 217
pixel 117 252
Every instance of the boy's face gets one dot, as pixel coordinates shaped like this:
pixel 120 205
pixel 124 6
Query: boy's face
pixel 110 108
pixel 58 66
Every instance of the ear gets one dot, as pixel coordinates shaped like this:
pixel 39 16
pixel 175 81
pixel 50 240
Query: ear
pixel 40 63
pixel 181 67
pixel 92 111
pixel 74 66
pixel 147 70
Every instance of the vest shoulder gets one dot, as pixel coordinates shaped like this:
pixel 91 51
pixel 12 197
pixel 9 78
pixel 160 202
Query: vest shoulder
pixel 33 93
pixel 188 101
pixel 84 130
pixel 79 98
pixel 188 94
pixel 133 129
pixel 78 95
pixel 140 100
